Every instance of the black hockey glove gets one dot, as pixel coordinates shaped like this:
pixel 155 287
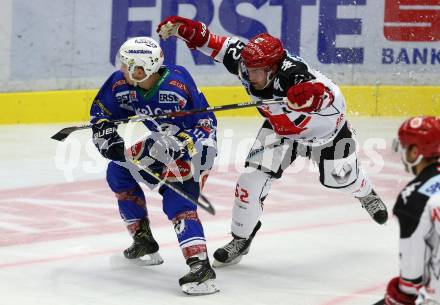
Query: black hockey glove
pixel 108 142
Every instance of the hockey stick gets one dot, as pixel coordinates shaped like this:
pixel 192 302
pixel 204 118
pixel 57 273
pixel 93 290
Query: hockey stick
pixel 65 132
pixel 202 202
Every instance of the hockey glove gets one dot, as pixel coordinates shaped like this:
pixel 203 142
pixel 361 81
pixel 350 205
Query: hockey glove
pixel 194 33
pixel 306 97
pixel 157 147
pixel 107 141
pixel 396 297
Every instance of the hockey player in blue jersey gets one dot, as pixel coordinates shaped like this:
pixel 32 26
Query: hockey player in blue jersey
pixel 179 149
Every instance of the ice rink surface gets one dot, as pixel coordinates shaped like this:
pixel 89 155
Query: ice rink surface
pixel 60 229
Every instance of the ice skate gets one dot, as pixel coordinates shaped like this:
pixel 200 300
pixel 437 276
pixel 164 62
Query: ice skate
pixel 233 252
pixel 144 249
pixel 375 207
pixel 200 279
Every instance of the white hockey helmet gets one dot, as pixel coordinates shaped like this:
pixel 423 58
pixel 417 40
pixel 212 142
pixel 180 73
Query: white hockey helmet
pixel 142 52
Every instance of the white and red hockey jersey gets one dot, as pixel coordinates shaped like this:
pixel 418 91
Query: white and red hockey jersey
pixel 418 211
pixel 312 128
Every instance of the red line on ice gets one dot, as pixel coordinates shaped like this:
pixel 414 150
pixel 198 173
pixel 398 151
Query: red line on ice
pixel 355 294
pixel 171 244
pixel 26 221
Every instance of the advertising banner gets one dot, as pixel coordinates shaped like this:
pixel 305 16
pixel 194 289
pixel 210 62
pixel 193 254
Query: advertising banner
pixel 53 45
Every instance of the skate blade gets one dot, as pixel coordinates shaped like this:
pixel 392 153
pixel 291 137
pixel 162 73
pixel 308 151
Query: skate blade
pixel 119 261
pixel 207 287
pixel 217 264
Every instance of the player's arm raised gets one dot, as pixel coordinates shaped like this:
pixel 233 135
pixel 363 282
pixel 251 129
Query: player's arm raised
pixel 197 36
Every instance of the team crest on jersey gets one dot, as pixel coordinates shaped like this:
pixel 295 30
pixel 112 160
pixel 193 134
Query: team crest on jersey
pixel 205 124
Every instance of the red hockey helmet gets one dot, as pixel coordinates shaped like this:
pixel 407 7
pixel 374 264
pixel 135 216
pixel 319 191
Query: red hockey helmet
pixel 262 51
pixel 424 133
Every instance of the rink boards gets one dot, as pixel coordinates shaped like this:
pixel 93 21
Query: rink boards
pixel 74 105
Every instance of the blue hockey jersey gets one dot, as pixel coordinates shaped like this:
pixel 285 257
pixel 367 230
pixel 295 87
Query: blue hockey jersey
pixel 176 90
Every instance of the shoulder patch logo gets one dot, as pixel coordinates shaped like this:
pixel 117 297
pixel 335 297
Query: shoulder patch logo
pixel 431 187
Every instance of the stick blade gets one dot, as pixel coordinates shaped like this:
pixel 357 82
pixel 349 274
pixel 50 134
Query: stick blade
pixel 206 205
pixel 63 133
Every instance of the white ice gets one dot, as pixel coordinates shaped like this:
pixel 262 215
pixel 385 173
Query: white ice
pixel 59 227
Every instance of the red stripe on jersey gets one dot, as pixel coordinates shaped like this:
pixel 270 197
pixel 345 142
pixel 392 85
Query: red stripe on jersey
pixel 282 125
pixel 216 43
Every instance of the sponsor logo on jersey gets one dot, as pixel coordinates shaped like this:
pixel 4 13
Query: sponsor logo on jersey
pixel 179 85
pixel 431 187
pixel 120 82
pixel 147 110
pixel 101 106
pixel 133 96
pixel 178 171
pixel 123 97
pixel 287 65
pixel 407 191
pixel 166 97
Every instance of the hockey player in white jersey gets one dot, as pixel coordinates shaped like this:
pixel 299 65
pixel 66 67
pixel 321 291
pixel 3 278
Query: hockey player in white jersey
pixel 418 211
pixel 311 122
